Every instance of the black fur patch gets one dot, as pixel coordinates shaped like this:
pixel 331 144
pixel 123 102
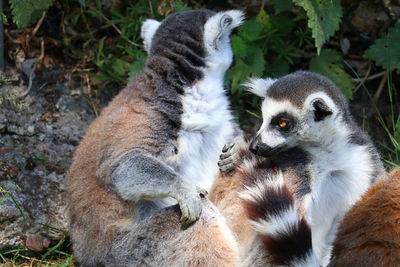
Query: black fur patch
pixel 294 245
pixel 176 60
pixel 273 202
pixel 321 110
pixel 177 51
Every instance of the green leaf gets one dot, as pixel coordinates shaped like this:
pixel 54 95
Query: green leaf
pixel 323 18
pixel 239 46
pixel 137 67
pixel 120 67
pixel 180 6
pixel 328 63
pixel 250 30
pixel 386 50
pixel 396 134
pixel 255 61
pixel 237 74
pixel 282 5
pixel 26 12
pixel 278 68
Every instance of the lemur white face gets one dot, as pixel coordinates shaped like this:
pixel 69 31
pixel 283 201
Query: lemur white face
pixel 286 125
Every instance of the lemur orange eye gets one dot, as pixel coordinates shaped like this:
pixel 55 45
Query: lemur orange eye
pixel 282 124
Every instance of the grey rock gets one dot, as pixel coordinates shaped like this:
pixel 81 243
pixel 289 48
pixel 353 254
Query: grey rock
pixel 38 135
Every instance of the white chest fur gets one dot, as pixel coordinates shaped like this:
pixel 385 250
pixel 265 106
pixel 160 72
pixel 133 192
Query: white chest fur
pixel 207 125
pixel 340 177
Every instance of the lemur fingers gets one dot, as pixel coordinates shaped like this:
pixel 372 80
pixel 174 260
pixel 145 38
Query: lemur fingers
pixel 228 158
pixel 190 205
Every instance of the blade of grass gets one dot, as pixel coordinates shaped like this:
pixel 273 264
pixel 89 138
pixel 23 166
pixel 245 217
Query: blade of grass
pixel 4 259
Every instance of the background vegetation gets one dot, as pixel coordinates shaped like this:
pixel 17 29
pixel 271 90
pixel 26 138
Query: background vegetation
pixel 97 44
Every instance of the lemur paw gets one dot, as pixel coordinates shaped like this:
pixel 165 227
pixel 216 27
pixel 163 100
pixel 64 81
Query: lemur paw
pixel 228 158
pixel 190 205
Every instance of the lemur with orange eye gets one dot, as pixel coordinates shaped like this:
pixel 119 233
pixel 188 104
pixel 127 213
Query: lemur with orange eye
pixel 266 212
pixel 318 163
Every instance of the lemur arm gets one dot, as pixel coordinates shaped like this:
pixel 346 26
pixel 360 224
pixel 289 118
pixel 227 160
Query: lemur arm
pixel 140 175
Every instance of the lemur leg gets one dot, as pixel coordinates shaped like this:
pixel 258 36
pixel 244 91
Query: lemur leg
pixel 142 176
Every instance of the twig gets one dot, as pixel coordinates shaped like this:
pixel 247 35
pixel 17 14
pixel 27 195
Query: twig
pixel 362 81
pixel 262 5
pixel 113 25
pixel 28 37
pixel 380 87
pixel 90 97
pixel 38 24
pixel 41 50
pixel 15 41
pixel 151 8
pixel 24 94
pixel 372 77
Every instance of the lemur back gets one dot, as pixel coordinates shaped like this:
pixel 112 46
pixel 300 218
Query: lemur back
pixel 369 234
pixel 306 111
pixel 159 139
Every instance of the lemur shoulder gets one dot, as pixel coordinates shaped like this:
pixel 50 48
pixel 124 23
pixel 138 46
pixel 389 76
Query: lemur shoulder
pixel 138 156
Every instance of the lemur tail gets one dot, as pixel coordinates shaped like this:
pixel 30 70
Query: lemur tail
pixel 271 208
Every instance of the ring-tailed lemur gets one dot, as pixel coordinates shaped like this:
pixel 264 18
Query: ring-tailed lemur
pixel 306 116
pixel 159 138
pixel 369 234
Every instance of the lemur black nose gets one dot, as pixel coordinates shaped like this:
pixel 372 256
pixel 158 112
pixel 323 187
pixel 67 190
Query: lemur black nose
pixel 254 146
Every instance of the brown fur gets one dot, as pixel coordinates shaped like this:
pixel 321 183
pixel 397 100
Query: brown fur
pixel 224 194
pixel 96 214
pixel 158 241
pixel 369 234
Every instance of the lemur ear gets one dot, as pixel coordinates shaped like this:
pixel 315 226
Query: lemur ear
pixel 259 86
pixel 149 28
pixel 321 109
pixel 220 25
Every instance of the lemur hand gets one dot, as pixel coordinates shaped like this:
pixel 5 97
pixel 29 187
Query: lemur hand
pixel 228 158
pixel 190 204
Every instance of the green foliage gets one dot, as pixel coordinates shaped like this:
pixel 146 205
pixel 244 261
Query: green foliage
pixel 120 58
pixel 58 254
pixel 329 63
pixel 137 67
pixel 386 50
pixel 264 46
pixel 323 18
pixel 282 5
pixel 26 12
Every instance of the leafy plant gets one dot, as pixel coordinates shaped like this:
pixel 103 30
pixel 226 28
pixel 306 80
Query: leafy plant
pixel 264 46
pixel 385 52
pixel 329 63
pixel 323 18
pixel 26 12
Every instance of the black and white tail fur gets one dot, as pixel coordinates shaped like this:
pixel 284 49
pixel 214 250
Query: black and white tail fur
pixel 272 210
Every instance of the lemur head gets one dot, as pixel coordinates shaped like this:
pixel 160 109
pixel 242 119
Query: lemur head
pixel 302 109
pixel 192 41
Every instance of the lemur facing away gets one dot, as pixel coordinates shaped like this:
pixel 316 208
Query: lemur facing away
pixel 305 118
pixel 369 234
pixel 158 141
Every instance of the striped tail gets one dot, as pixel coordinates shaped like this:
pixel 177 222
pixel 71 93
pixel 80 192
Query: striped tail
pixel 271 208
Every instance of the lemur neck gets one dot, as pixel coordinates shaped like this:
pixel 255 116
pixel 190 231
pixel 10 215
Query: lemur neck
pixel 210 86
